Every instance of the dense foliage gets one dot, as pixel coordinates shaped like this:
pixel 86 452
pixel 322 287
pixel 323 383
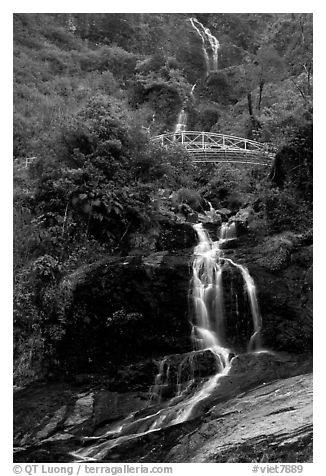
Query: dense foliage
pixel 90 90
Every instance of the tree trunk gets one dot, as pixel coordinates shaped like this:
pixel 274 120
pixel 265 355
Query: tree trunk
pixel 261 87
pixel 249 97
pixel 255 125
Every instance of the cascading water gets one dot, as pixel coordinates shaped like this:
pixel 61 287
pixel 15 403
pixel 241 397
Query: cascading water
pixel 209 44
pixel 161 379
pixel 207 316
pixel 228 232
pixel 207 329
pixel 193 22
pixel 207 292
pixel 210 47
pixel 181 124
pixel 215 45
pixel 250 289
pixel 192 94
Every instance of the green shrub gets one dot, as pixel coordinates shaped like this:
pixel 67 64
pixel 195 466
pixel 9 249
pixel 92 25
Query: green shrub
pixel 188 196
pixel 228 185
pixel 284 210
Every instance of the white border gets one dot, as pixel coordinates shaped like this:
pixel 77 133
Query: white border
pixel 167 6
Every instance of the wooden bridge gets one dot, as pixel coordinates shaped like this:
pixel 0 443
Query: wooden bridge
pixel 219 148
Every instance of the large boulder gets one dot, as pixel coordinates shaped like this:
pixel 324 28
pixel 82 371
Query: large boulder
pixel 176 236
pixel 123 310
pixel 177 371
pixel 242 220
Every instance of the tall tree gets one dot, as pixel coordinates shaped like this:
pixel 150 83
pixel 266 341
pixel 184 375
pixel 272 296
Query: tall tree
pixel 270 68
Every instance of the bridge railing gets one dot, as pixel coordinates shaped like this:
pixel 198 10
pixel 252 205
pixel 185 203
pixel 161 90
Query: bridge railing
pixel 29 160
pixel 210 141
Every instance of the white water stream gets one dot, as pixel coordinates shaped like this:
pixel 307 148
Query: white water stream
pixel 181 124
pixel 210 45
pixel 207 323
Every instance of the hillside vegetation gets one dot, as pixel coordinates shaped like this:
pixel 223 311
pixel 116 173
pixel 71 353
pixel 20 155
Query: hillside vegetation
pixel 89 91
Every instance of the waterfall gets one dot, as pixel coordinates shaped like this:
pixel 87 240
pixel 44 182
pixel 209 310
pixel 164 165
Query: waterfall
pixel 250 289
pixel 207 334
pixel 215 45
pixel 181 124
pixel 193 22
pixel 211 213
pixel 207 292
pixel 207 319
pixel 228 232
pixel 192 95
pixel 209 44
pixel 161 380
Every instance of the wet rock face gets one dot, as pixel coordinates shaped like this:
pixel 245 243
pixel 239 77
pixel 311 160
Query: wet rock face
pixel 269 423
pixel 180 370
pixel 282 270
pixel 126 309
pixel 285 301
pixel 243 419
pixel 58 412
pixel 237 319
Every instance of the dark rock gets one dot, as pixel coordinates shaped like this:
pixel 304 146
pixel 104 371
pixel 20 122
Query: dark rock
pixel 270 423
pixel 124 310
pixel 113 406
pixel 153 291
pixel 282 270
pixel 237 321
pixel 171 231
pixel 285 304
pixel 210 217
pixel 213 229
pixel 176 236
pixel 139 243
pixel 183 368
pixel 135 376
pixel 244 411
pixel 53 424
pixel 229 244
pixel 82 411
pixel 303 257
pixel 190 214
pixel 224 212
pixel 242 220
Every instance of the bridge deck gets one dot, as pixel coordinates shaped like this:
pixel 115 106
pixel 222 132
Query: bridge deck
pixel 219 148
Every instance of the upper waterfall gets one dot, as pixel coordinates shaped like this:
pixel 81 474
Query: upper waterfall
pixel 210 45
